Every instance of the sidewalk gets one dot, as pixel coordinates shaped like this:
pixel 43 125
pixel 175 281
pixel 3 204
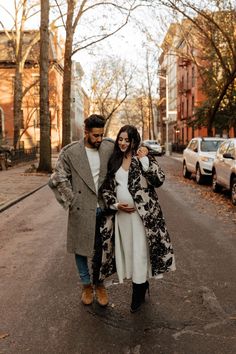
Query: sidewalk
pixel 16 183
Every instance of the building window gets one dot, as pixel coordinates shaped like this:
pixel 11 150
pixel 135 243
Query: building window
pixel 193 102
pixel 21 145
pixel 50 118
pixel 1 131
pixel 37 118
pixel 22 123
pixel 38 146
pixel 10 43
pixel 193 76
pixel 192 131
pixel 13 84
pixel 58 118
pixel 36 87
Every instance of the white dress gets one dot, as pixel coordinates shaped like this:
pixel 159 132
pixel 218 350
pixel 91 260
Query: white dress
pixel 131 251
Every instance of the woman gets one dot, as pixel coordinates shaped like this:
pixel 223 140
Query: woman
pixel 142 243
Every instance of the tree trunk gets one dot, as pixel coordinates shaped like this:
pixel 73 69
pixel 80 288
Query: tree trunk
pixel 66 95
pixel 66 98
pixel 45 124
pixel 17 105
pixel 212 113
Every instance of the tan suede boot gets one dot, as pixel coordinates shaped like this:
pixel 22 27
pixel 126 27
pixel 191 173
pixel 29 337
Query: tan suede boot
pixel 101 295
pixel 87 294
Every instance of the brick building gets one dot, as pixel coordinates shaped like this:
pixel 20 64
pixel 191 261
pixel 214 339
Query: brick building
pixel 29 125
pixel 181 85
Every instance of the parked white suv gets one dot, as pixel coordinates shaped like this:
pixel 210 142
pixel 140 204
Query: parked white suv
pixel 224 168
pixel 198 157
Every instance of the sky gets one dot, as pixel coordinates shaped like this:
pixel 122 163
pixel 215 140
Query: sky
pixel 128 44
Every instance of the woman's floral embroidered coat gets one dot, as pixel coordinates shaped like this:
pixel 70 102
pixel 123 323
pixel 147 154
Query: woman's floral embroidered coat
pixel 142 186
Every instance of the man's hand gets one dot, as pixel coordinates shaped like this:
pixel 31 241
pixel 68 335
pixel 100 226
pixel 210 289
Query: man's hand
pixel 126 208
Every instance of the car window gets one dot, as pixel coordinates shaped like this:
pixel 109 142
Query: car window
pixel 223 147
pixel 193 145
pixel 210 145
pixel 231 149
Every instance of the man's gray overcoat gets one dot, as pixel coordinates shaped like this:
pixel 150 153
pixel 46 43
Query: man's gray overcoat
pixel 73 185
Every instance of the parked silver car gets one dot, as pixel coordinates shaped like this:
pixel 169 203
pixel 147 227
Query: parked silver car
pixel 224 168
pixel 198 157
pixel 154 147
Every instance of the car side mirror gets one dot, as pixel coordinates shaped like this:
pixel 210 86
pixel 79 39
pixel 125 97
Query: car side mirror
pixel 226 155
pixel 195 150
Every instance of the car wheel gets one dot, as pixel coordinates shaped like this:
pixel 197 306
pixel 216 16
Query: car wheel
pixel 215 186
pixel 233 191
pixel 199 176
pixel 186 172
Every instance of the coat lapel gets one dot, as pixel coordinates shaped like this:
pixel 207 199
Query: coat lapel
pixel 80 162
pixel 104 153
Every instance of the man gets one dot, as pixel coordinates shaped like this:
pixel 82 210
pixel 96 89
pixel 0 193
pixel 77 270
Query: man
pixel 80 171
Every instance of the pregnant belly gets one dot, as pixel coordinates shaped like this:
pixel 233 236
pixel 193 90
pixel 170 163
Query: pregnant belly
pixel 124 196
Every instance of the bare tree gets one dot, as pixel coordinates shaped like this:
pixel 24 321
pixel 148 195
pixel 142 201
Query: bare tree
pixel 115 15
pixel 111 86
pixel 24 10
pixel 45 126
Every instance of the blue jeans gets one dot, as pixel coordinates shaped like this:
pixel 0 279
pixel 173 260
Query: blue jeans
pixel 82 266
pixel 82 261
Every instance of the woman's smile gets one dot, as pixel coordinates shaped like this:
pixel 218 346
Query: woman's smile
pixel 123 141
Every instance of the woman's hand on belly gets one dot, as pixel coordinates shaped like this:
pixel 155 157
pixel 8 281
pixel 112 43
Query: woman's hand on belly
pixel 125 207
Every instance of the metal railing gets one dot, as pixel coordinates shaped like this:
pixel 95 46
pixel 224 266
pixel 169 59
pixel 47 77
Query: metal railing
pixel 23 155
pixel 13 157
pixel 176 147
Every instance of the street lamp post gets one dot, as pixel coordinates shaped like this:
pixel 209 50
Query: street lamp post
pixel 167 117
pixel 167 114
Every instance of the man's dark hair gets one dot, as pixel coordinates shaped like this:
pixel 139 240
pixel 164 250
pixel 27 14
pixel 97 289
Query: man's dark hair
pixel 94 121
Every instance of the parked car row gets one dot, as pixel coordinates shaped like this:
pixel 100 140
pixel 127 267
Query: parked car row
pixel 154 147
pixel 224 168
pixel 214 158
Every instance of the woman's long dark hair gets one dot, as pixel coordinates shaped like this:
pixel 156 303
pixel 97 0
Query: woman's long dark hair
pixel 116 158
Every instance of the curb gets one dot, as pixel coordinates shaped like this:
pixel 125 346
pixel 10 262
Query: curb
pixel 17 200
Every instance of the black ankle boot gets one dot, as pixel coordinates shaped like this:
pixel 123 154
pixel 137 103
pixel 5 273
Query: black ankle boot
pixel 136 297
pixel 145 287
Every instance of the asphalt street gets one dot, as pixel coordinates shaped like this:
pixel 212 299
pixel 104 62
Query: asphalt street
pixel 192 310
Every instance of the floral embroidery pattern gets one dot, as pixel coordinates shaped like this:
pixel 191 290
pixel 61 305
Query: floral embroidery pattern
pixel 142 186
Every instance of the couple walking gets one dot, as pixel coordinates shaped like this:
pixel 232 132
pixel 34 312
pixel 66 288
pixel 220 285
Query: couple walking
pixel 114 214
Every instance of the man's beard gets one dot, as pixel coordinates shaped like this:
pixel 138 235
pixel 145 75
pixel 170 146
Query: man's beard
pixel 94 145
